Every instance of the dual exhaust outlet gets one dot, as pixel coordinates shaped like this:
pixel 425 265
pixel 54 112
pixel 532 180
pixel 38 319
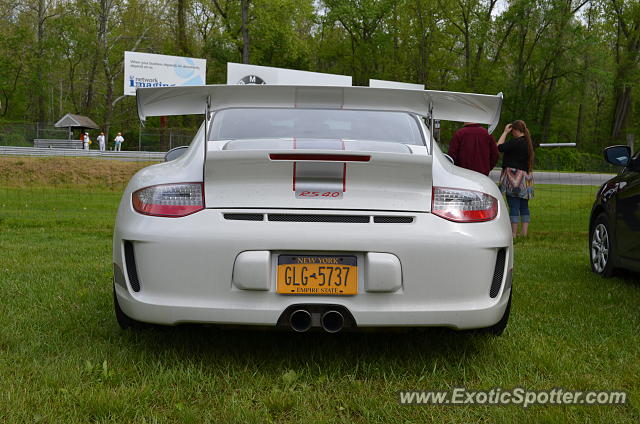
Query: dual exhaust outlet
pixel 331 321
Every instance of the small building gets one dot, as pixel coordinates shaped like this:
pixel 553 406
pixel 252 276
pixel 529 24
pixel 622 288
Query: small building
pixel 71 122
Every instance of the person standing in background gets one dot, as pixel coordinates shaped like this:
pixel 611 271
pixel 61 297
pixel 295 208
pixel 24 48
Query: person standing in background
pixel 101 142
pixel 118 140
pixel 472 147
pixel 516 180
pixel 86 141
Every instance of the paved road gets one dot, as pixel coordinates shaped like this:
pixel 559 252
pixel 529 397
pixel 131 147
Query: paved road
pixel 566 178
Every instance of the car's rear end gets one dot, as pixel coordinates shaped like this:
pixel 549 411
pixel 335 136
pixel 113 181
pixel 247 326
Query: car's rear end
pixel 302 231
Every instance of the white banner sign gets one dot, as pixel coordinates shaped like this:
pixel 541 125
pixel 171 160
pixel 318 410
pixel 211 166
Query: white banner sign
pixel 238 73
pixel 157 70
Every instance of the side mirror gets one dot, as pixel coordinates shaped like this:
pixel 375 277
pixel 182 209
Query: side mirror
pixel 449 158
pixel 175 153
pixel 617 155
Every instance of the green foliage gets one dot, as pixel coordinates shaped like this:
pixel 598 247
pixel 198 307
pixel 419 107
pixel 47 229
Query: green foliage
pixel 569 68
pixel 15 135
pixel 568 159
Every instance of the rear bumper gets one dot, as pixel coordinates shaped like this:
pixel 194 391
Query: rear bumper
pixel 255 314
pixel 185 268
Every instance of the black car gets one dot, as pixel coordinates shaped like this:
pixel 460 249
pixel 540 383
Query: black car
pixel 614 226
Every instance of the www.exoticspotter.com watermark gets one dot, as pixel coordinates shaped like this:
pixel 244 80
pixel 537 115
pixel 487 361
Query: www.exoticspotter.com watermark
pixel 516 396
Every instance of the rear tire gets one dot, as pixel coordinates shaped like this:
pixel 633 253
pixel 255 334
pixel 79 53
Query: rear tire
pixel 601 246
pixel 498 328
pixel 124 321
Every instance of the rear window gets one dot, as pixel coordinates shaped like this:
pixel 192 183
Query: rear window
pixel 257 123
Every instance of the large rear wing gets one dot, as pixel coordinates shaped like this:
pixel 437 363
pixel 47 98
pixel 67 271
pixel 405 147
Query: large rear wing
pixel 444 105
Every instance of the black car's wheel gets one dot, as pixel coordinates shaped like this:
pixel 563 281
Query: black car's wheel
pixel 601 246
pixel 124 321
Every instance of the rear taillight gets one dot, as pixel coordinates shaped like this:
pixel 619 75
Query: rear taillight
pixel 171 200
pixel 463 205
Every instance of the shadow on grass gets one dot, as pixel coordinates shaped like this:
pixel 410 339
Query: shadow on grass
pixel 383 352
pixel 626 277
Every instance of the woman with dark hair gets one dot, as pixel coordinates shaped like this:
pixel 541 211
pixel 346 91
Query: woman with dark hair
pixel 516 180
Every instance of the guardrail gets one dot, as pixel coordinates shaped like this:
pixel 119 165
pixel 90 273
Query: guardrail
pixel 57 143
pixel 562 178
pixel 127 155
pixel 557 144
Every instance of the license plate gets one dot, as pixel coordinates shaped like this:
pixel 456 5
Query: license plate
pixel 307 274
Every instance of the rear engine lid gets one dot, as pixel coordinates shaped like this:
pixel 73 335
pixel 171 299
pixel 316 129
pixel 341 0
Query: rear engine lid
pixel 317 174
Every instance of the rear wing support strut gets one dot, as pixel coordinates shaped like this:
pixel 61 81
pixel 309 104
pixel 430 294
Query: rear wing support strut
pixel 207 112
pixel 431 127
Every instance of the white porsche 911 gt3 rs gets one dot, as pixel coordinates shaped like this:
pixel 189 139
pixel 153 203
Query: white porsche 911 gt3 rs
pixel 303 207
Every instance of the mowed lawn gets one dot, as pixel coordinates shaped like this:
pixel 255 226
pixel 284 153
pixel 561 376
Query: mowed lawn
pixel 63 359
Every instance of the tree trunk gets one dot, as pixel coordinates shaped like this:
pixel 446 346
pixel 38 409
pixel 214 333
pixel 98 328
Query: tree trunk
pixel 105 11
pixel 621 112
pixel 628 26
pixel 586 61
pixel 164 140
pixel 424 38
pixel 548 110
pixel 245 31
pixel 88 100
pixel 108 109
pixel 39 74
pixel 579 124
pixel 467 55
pixel 9 94
pixel 182 35
pixel 519 77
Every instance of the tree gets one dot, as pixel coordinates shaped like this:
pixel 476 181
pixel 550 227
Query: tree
pixel 43 11
pixel 363 21
pixel 236 24
pixel 627 48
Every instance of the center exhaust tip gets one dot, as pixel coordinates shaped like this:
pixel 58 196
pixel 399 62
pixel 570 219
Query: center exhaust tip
pixel 332 321
pixel 300 320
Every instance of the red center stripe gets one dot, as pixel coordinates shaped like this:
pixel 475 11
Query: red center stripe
pixel 294 166
pixel 319 157
pixel 344 171
pixel 344 178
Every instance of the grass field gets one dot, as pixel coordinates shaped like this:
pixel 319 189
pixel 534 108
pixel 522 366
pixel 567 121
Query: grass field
pixel 63 359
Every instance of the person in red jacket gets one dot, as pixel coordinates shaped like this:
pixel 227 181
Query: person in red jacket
pixel 472 147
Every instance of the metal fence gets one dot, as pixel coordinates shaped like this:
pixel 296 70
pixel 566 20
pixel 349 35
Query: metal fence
pixel 23 134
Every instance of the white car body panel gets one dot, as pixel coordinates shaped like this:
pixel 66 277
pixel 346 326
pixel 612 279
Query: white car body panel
pixel 249 179
pixel 430 272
